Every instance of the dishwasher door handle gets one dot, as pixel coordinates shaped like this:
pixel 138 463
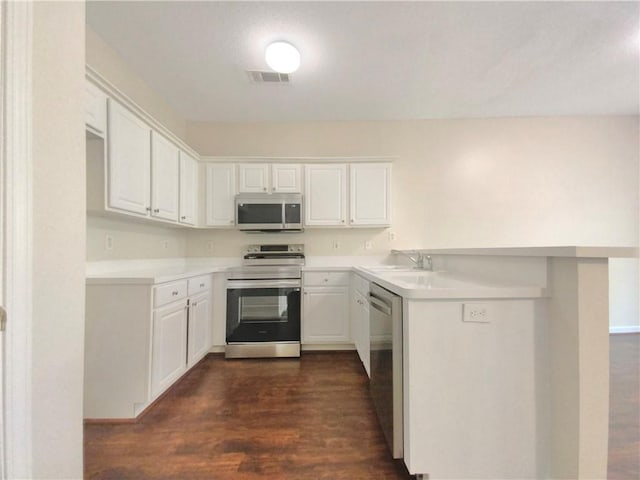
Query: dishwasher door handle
pixel 379 304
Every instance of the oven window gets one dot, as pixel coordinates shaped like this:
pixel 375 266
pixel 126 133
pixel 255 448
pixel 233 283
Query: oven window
pixel 263 309
pixel 260 213
pixel 263 314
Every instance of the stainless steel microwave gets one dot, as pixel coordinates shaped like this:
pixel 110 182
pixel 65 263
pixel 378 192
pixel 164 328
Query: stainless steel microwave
pixel 262 212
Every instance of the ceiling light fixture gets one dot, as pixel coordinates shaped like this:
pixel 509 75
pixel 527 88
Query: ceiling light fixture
pixel 282 57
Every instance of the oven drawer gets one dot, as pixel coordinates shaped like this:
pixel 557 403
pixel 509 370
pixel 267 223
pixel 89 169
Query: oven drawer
pixel 169 292
pixel 199 284
pixel 326 278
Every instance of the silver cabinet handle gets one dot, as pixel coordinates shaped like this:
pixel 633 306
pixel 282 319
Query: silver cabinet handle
pixel 174 293
pixel 183 217
pixel 156 210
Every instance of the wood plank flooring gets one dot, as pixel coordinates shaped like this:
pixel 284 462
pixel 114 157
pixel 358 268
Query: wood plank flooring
pixel 246 419
pixel 292 419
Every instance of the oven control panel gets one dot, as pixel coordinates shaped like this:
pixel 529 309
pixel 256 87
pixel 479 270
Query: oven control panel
pixel 276 248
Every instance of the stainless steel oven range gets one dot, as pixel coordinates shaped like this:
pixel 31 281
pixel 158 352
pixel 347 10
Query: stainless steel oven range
pixel 263 303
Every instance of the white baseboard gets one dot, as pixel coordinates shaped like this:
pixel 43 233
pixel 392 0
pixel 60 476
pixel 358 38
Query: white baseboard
pixel 625 329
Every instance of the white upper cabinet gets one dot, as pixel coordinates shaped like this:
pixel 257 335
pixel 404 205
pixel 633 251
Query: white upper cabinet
pixel 165 173
pixel 286 178
pixel 221 190
pixel 129 157
pixel 370 194
pixel 253 178
pixel 95 109
pixel 326 194
pixel 188 189
pixel 269 178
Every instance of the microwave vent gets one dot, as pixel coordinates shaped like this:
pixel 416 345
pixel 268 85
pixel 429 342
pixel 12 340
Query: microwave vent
pixel 257 76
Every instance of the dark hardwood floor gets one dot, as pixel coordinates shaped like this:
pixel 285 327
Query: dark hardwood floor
pixel 292 419
pixel 245 419
pixel 624 408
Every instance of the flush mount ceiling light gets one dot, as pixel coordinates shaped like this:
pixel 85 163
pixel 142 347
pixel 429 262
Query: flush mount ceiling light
pixel 282 57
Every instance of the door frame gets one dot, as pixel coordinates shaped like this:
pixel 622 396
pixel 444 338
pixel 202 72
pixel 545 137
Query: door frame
pixel 17 241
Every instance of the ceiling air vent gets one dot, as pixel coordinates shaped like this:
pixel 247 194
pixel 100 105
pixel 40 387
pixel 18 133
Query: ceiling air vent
pixel 268 77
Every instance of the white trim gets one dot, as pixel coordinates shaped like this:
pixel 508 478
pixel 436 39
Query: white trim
pixel 625 329
pixel 295 159
pixel 16 133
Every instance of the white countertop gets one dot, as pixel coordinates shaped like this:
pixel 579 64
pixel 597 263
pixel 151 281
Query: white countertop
pixel 424 285
pixel 571 251
pixel 408 283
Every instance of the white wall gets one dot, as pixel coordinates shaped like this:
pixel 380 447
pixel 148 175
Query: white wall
pixel 58 239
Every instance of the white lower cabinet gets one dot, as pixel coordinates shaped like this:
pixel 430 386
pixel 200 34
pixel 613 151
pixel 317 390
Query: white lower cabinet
pixel 169 347
pixel 325 308
pixel 198 329
pixel 360 320
pixel 140 339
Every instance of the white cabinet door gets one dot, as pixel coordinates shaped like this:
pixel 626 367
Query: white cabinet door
pixel 221 189
pixel 129 157
pixel 169 346
pixel 199 321
pixel 188 189
pixel 253 178
pixel 370 194
pixel 165 178
pixel 286 178
pixel 325 315
pixel 326 195
pixel 95 109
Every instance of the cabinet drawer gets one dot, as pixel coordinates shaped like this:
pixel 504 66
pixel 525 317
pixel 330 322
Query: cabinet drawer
pixel 326 278
pixel 169 292
pixel 199 284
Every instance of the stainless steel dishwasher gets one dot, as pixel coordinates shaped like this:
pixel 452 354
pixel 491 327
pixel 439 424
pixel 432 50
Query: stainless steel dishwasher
pixel 385 337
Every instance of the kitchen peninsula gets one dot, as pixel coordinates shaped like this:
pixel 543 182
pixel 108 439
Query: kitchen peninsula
pixel 543 352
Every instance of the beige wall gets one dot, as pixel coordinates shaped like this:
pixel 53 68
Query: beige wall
pixel 110 65
pixel 472 183
pixel 468 183
pixel 58 239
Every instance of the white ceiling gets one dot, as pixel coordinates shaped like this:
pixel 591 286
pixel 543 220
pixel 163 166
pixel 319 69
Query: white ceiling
pixel 382 60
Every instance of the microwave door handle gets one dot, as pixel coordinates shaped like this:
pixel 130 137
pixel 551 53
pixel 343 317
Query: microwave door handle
pixel 284 213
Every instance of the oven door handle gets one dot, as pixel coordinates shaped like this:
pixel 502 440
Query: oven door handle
pixel 232 284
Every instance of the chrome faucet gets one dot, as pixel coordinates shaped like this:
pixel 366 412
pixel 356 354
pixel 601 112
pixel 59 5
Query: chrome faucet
pixel 420 259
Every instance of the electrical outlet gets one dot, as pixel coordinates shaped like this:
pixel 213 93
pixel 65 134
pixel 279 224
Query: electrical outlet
pixel 335 244
pixel 165 244
pixel 368 245
pixel 392 236
pixel 210 246
pixel 108 242
pixel 476 313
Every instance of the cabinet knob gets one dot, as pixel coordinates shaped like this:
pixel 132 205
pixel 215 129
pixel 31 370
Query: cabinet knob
pixel 183 217
pixel 231 222
pixel 201 285
pixel 326 279
pixel 352 220
pixel 156 210
pixel 194 304
pixel 264 189
pixel 342 221
pixel 306 293
pixel 148 209
pixel 174 293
